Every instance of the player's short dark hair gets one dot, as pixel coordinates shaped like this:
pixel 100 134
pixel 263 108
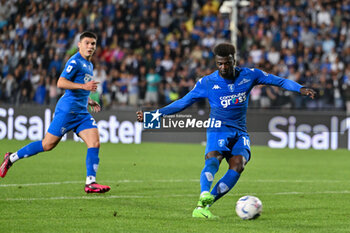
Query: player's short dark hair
pixel 225 50
pixel 87 34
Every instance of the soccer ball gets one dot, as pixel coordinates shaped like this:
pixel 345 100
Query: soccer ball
pixel 248 207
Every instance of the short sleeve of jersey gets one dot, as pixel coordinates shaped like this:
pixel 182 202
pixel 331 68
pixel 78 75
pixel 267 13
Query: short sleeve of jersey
pixel 70 70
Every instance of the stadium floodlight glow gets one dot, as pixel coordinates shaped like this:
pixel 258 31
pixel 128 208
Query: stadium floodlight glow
pixel 226 7
pixel 244 3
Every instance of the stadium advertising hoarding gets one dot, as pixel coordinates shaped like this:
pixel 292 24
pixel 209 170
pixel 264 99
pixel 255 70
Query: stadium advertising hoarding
pixel 300 129
pixel 276 129
pixel 32 123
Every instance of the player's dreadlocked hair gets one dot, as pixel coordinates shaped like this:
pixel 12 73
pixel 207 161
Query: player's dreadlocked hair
pixel 225 50
pixel 87 34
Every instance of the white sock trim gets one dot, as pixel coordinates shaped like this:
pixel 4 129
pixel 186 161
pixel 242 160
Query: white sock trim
pixel 14 157
pixel 90 179
pixel 204 192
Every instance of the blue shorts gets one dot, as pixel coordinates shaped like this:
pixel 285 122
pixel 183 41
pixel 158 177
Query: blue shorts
pixel 228 141
pixel 64 122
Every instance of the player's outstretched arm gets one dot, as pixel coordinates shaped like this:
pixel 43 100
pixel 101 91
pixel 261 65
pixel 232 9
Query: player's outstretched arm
pixel 308 92
pixel 66 84
pixel 198 92
pixel 139 115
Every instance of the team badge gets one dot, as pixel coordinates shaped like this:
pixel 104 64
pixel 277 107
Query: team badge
pixel 221 142
pixel 63 130
pixel 231 87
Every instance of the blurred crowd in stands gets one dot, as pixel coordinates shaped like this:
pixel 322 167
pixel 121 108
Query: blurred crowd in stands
pixel 151 52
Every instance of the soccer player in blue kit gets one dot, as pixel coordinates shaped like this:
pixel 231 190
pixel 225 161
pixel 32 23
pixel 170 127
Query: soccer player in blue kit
pixel 227 90
pixel 71 114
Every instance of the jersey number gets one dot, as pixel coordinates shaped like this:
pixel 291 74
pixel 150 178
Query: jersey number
pixel 93 122
pixel 246 141
pixel 69 68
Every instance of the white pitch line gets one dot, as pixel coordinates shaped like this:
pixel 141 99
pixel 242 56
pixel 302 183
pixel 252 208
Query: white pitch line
pixel 107 181
pixel 173 181
pixel 41 184
pixel 298 181
pixel 164 196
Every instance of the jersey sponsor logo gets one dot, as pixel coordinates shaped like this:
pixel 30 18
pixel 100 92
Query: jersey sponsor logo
pixel 244 81
pixel 216 87
pixel 228 100
pixel 87 78
pixel 231 87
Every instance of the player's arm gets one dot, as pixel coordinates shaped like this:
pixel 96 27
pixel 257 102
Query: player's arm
pixel 198 92
pixel 68 74
pixel 67 84
pixel 270 79
pixel 308 92
pixel 174 107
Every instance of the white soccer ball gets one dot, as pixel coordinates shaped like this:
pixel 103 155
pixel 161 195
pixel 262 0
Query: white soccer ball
pixel 248 207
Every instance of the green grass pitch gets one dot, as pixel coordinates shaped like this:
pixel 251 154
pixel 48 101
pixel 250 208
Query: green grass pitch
pixel 155 187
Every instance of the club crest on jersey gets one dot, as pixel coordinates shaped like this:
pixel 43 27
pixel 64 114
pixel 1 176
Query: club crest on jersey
pixel 231 87
pixel 221 142
pixel 63 130
pixel 87 78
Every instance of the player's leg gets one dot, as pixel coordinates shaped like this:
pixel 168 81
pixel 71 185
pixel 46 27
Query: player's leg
pixel 92 140
pixel 229 180
pixel 239 156
pixel 216 143
pixel 48 143
pixel 212 163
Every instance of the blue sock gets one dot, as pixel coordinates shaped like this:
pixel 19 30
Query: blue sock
pixel 207 176
pixel 30 149
pixel 225 184
pixel 92 161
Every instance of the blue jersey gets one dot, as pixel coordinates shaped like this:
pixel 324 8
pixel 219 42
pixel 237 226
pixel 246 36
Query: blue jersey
pixel 228 99
pixel 77 70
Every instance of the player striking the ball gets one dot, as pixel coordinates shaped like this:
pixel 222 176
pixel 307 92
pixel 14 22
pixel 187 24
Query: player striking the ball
pixel 227 90
pixel 71 114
